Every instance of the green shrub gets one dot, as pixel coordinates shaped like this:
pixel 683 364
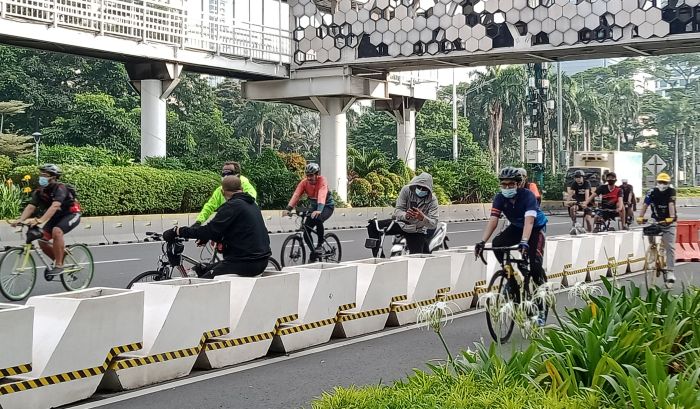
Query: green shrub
pixel 554 185
pixel 116 190
pixel 442 197
pixel 6 165
pixel 359 192
pixel 688 191
pixel 78 155
pixel 165 163
pixel 273 181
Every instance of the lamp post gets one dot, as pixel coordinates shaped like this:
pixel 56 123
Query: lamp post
pixel 37 138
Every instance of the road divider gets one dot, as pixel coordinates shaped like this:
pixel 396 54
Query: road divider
pixel 16 354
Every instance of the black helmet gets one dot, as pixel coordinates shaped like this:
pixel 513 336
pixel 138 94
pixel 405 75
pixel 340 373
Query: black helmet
pixel 51 169
pixel 510 173
pixel 312 168
pixel 579 173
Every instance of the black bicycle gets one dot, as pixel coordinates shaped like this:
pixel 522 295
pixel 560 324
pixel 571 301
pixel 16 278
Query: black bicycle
pixel 509 286
pixel 172 258
pixel 604 220
pixel 293 248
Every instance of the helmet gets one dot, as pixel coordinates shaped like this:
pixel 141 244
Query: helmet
pixel 523 172
pixel 579 174
pixel 510 173
pixel 51 169
pixel 312 168
pixel 663 177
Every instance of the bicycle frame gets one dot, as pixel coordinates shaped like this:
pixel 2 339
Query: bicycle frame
pixel 27 249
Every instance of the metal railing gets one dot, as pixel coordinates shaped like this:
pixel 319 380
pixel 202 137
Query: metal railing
pixel 162 22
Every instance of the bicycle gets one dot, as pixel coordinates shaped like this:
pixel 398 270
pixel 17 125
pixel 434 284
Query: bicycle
pixel 18 267
pixel 294 251
pixel 655 256
pixel 603 219
pixel 438 239
pixel 172 258
pixel 512 286
pixel 576 209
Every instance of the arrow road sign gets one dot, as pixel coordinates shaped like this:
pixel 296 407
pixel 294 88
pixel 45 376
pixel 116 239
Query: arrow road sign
pixel 655 165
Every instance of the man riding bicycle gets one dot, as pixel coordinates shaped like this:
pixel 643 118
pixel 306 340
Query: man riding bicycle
pixel 316 189
pixel 629 200
pixel 527 224
pixel 578 193
pixel 611 199
pixel 662 200
pixel 60 213
pixel 240 228
pixel 217 197
pixel 416 214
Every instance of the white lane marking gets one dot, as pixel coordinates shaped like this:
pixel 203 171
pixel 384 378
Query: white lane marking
pixel 117 261
pixel 347 241
pixel 270 361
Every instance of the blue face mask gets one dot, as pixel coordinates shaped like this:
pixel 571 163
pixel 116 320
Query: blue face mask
pixel 509 193
pixel 43 181
pixel 421 193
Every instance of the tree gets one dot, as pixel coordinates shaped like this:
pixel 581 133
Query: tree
pixel 9 108
pixel 374 130
pixel 13 146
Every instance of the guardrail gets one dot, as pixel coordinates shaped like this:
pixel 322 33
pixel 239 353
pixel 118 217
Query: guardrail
pixel 103 339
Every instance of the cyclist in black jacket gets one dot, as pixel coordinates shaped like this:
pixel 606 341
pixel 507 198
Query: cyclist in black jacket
pixel 239 226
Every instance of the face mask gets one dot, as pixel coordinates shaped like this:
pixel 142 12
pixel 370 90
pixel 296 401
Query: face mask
pixel 509 193
pixel 43 181
pixel 611 182
pixel 421 192
pixel 661 186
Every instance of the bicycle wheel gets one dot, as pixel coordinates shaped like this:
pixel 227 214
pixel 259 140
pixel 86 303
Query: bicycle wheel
pixel 650 266
pixel 501 325
pixel 78 268
pixel 331 248
pixel 273 264
pixel 17 274
pixel 293 251
pixel 150 277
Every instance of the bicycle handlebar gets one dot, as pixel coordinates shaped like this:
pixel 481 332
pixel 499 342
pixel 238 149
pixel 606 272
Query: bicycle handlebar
pixel 506 249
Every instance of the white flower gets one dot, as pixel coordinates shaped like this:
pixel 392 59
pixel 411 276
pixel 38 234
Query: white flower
pixel 433 315
pixel 531 328
pixel 492 302
pixel 509 311
pixel 584 291
pixel 545 295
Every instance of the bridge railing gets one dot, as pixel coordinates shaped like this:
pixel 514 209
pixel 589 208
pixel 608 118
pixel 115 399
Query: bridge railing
pixel 157 22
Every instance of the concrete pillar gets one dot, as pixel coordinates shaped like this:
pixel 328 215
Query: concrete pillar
pixel 153 119
pixel 334 152
pixel 406 137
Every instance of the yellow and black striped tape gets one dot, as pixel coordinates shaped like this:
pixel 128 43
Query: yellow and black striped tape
pixel 399 298
pixel 347 307
pixel 15 370
pixel 362 314
pixel 556 275
pixel 284 320
pixel 68 376
pixel 167 356
pixel 212 345
pixel 480 283
pixel 304 327
pixel 452 297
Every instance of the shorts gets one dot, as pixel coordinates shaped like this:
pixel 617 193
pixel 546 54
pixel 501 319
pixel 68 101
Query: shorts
pixel 66 223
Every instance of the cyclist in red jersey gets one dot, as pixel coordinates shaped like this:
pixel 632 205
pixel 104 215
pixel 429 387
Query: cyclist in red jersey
pixel 611 198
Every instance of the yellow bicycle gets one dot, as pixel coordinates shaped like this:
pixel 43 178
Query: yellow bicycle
pixel 655 257
pixel 18 267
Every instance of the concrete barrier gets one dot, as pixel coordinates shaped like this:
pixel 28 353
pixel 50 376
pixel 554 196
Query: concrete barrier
pixel 10 236
pixel 119 229
pixel 465 272
pixel 272 221
pixel 639 250
pixel 387 213
pixel 379 282
pixel 558 256
pixel 289 224
pixel 462 212
pixel 175 220
pixel 341 219
pixel 371 213
pixel 428 281
pixel 605 262
pixel 179 316
pixel 89 231
pixel 477 211
pixel 16 324
pixel 258 307
pixel 146 223
pixel 624 250
pixel 358 217
pixel 325 289
pixel 583 258
pixel 76 336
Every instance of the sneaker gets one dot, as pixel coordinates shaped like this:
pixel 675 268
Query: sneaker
pixel 50 274
pixel 319 250
pixel 541 320
pixel 670 279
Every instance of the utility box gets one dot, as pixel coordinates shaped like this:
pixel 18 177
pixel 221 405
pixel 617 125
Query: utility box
pixel 533 150
pixel 627 165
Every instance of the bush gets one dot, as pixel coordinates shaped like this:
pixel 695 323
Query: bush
pixel 466 181
pixel 554 185
pixel 294 162
pixel 273 181
pixel 359 192
pixel 442 197
pixel 165 163
pixel 688 191
pixel 6 165
pixel 116 190
pixel 79 155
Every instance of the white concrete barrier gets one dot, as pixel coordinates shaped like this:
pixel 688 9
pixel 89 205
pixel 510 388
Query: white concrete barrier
pixel 258 306
pixel 76 337
pixel 358 217
pixel 10 236
pixel 175 220
pixel 119 229
pixel 639 245
pixel 146 223
pixel 89 231
pixel 341 219
pixel 465 272
pixel 428 281
pixel 272 221
pixel 379 282
pixel 16 325
pixel 179 316
pixel 583 258
pixel 604 256
pixel 558 256
pixel 325 289
pixel 624 246
pixel 289 224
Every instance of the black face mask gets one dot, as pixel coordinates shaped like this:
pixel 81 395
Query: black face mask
pixel 611 182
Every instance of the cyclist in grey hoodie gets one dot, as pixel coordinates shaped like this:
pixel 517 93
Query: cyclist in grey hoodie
pixel 416 213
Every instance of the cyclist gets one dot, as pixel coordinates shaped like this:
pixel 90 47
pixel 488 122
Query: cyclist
pixel 611 199
pixel 578 192
pixel 629 200
pixel 217 198
pixel 531 186
pixel 60 210
pixel 316 188
pixel 239 226
pixel 527 225
pixel 416 214
pixel 662 200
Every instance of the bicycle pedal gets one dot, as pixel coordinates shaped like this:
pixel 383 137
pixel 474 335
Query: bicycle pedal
pixel 47 276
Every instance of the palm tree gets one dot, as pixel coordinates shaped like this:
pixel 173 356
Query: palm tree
pixel 360 163
pixel 10 108
pixel 496 91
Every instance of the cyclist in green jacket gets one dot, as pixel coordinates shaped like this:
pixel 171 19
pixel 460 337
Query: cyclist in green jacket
pixel 217 198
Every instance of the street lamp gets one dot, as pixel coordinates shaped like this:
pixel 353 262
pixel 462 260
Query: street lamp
pixel 37 138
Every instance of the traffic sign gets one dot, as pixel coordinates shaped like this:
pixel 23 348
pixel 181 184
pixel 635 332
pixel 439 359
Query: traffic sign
pixel 655 165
